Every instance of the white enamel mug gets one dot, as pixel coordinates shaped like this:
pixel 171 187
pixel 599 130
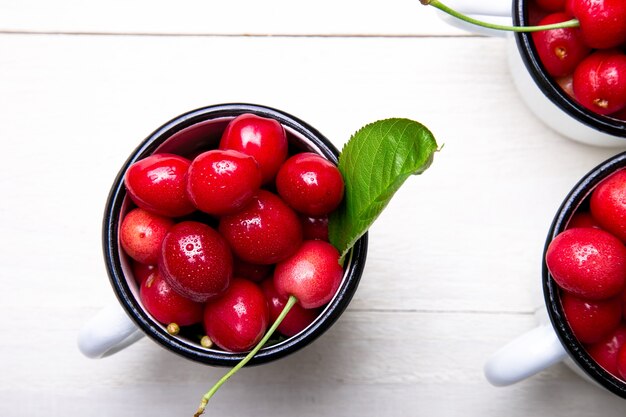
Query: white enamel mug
pixel 540 92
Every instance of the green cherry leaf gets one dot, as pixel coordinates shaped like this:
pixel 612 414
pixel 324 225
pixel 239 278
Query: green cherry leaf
pixel 375 163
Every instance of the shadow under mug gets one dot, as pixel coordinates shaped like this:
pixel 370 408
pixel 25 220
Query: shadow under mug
pixel 115 327
pixel 540 92
pixel 554 341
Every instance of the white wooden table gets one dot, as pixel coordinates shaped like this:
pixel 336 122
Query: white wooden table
pixel 453 270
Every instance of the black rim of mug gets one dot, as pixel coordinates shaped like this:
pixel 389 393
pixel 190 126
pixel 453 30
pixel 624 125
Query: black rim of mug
pixel 551 290
pixel 551 89
pixel 131 305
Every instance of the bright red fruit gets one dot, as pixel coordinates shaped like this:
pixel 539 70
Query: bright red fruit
pixel 600 81
pixel 592 320
pixel 602 22
pixel 298 317
pixel 253 272
pixel 141 272
pixel 312 274
pixel 157 184
pixel 608 204
pixel 310 184
pixel 262 138
pixel 621 363
pixel 314 227
pixel 551 5
pixel 196 261
pixel 222 181
pixel 264 232
pixel 560 50
pixel 605 351
pixel 237 320
pixel 587 262
pixel 141 234
pixel 624 305
pixel 166 305
pixel 583 219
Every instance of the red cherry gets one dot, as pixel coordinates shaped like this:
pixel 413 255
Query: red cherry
pixel 314 227
pixel 312 274
pixel 605 351
pixel 264 232
pixel 166 305
pixel 587 262
pixel 141 272
pixel 602 22
pixel 583 219
pixel 298 317
pixel 600 81
pixel 624 305
pixel 253 272
pixel 310 184
pixel 551 5
pixel 237 320
pixel 262 138
pixel 620 115
pixel 222 181
pixel 621 363
pixel 560 50
pixel 141 234
pixel 196 261
pixel 157 184
pixel 566 85
pixel 608 204
pixel 592 320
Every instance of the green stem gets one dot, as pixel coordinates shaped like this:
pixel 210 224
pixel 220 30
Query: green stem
pixel 436 3
pixel 205 399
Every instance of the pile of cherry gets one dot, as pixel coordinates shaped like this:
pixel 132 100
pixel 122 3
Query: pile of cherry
pixel 220 241
pixel 588 262
pixel 588 62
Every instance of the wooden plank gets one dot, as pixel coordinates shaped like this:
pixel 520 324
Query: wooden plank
pixel 280 17
pixel 394 364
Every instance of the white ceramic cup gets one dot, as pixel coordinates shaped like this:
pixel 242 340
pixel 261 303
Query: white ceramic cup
pixel 553 341
pixel 118 326
pixel 540 92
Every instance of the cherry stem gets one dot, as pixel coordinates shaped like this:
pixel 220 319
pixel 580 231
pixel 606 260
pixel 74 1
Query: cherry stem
pixel 573 23
pixel 205 399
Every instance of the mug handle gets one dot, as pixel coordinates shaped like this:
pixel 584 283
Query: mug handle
pixel 108 332
pixel 492 11
pixel 523 357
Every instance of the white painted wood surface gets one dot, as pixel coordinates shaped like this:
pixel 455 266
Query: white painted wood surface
pixel 454 262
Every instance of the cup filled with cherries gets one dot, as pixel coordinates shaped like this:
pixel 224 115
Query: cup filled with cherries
pixel 567 59
pixel 214 220
pixel 584 286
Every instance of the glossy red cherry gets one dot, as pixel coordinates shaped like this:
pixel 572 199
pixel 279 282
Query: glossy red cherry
pixel 310 184
pixel 157 184
pixel 298 317
pixel 608 204
pixel 262 138
pixel 222 181
pixel 264 232
pixel 624 305
pixel 314 227
pixel 166 305
pixel 560 50
pixel 587 262
pixel 141 272
pixel 312 274
pixel 600 81
pixel 141 234
pixel 551 5
pixel 621 363
pixel 237 320
pixel 592 320
pixel 602 22
pixel 253 272
pixel 196 261
pixel 583 219
pixel 605 351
